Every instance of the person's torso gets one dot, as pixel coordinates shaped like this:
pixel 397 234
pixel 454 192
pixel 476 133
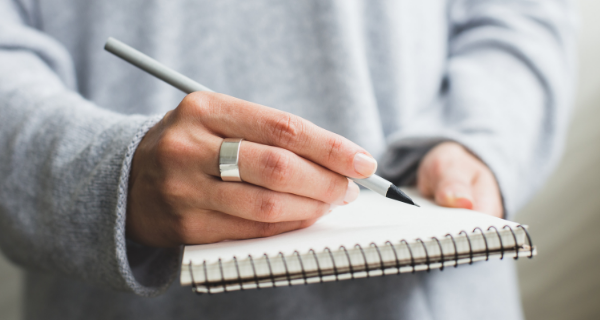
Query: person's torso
pixel 362 69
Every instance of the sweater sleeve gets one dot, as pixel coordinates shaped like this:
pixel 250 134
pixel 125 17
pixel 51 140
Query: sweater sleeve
pixel 64 168
pixel 506 94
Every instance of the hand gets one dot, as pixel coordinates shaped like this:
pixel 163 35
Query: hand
pixel 455 178
pixel 292 171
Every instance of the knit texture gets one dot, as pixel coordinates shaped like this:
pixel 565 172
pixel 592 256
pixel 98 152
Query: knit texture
pixel 396 77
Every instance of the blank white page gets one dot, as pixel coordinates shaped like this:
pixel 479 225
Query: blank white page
pixel 371 218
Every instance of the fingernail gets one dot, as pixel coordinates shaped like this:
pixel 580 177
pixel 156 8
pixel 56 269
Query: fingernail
pixel 352 192
pixel 459 200
pixel 331 208
pixel 364 164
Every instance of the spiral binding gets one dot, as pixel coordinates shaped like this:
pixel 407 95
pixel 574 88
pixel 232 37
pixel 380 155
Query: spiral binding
pixel 222 276
pixel 395 255
pixel 366 265
pixel 487 249
pixel 500 240
pixel 381 265
pixel 426 254
pixel 528 240
pixel 470 247
pixel 194 287
pixel 301 267
pixel 349 263
pixel 335 270
pixel 441 252
pixel 270 270
pixel 254 271
pixel 206 276
pixel 514 237
pixel 239 275
pixel 318 265
pixel 455 249
pixel 412 258
pixel 364 259
pixel 287 272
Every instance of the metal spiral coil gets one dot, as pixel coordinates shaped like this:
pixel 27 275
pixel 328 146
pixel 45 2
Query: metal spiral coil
pixel 528 240
pixel 254 271
pixel 239 275
pixel 381 264
pixel 455 249
pixel 194 287
pixel 514 237
pixel 412 258
pixel 270 270
pixel 206 276
pixel 395 255
pixel 349 263
pixel 441 253
pixel 318 265
pixel 499 239
pixel 222 276
pixel 302 266
pixel 427 262
pixel 367 266
pixel 470 247
pixel 487 249
pixel 287 272
pixel 364 259
pixel 335 270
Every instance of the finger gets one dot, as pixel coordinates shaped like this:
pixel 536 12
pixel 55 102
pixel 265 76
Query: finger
pixel 281 170
pixel 228 227
pixel 231 117
pixel 487 195
pixel 254 203
pixel 454 192
pixel 449 182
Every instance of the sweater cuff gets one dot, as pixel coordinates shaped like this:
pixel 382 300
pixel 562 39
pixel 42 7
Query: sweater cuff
pixel 147 271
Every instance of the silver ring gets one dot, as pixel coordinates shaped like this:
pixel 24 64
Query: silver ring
pixel 228 159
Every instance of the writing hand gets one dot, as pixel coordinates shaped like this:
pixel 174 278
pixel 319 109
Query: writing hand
pixel 292 170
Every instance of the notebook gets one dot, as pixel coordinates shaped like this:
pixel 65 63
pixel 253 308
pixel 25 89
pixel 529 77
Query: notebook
pixel 373 236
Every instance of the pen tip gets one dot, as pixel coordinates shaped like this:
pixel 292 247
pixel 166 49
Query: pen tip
pixel 397 194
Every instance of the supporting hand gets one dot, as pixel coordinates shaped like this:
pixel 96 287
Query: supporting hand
pixel 454 177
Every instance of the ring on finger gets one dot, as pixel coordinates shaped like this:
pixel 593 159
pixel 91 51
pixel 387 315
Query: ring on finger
pixel 229 155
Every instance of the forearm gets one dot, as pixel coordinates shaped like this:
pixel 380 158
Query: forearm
pixel 63 173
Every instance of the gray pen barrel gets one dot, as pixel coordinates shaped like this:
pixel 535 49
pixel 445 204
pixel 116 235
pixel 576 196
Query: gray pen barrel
pixel 153 67
pixel 187 85
pixel 374 183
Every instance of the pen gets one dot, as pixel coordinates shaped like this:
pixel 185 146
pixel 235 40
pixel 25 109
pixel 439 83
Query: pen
pixel 187 85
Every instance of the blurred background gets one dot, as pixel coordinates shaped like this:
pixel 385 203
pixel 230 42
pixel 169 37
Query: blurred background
pixel 563 281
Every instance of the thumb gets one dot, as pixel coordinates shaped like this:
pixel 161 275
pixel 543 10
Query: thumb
pixel 455 192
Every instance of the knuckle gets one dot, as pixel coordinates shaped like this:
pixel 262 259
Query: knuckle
pixel 198 104
pixel 269 209
pixel 335 144
pixel 186 230
pixel 172 191
pixel 170 147
pixel 288 129
pixel 277 167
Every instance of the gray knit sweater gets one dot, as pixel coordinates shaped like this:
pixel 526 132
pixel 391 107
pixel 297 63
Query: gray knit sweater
pixel 393 76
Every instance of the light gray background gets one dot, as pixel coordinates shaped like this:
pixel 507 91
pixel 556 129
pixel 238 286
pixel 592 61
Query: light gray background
pixel 563 281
